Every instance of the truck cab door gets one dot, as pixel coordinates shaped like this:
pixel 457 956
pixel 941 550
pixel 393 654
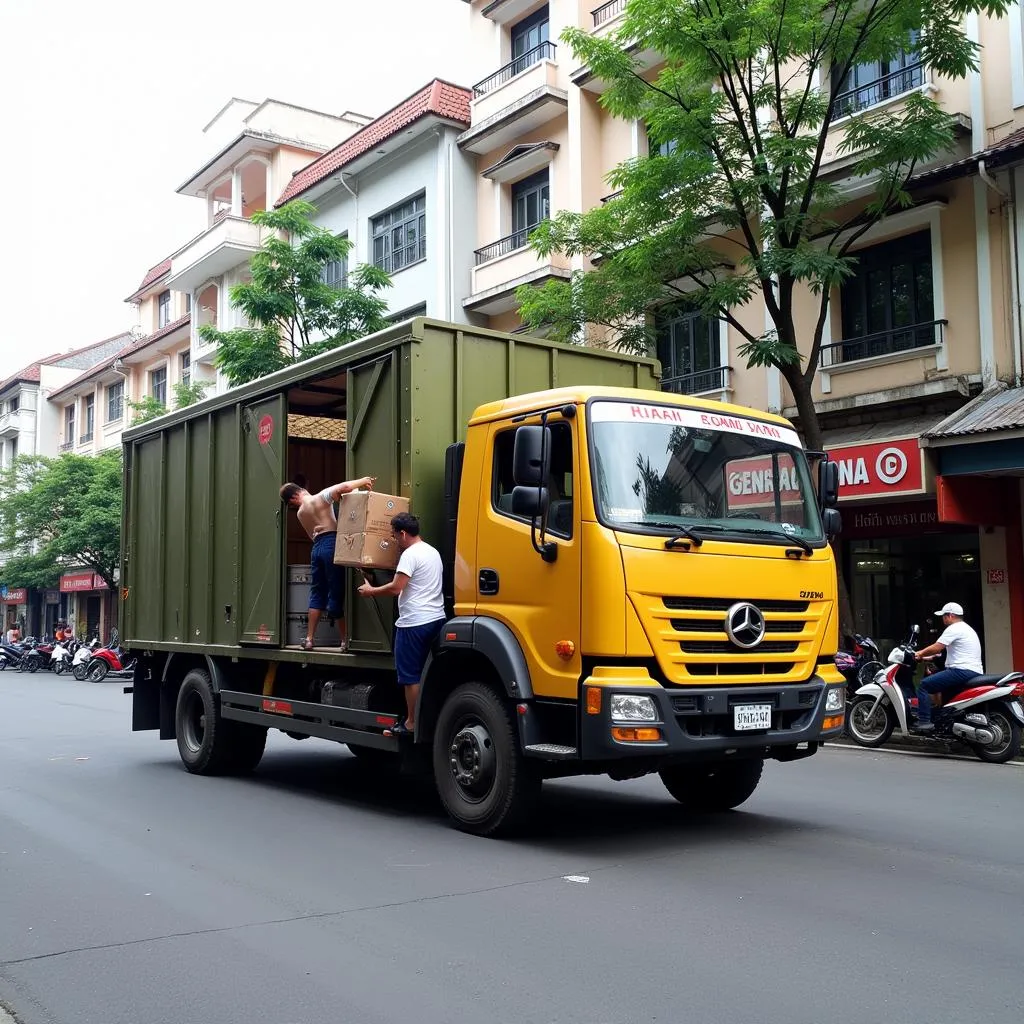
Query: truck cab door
pixel 264 442
pixel 538 600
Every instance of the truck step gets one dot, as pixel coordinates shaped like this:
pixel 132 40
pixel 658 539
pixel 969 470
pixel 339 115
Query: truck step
pixel 550 751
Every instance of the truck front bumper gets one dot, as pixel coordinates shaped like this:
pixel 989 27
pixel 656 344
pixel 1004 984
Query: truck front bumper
pixel 701 722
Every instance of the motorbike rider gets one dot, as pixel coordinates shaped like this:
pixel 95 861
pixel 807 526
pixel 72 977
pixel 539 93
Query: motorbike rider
pixel 963 661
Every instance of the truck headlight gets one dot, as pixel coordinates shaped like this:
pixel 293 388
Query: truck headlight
pixel 835 699
pixel 627 707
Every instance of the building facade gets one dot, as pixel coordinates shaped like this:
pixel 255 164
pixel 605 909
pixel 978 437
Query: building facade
pixel 396 190
pixel 930 319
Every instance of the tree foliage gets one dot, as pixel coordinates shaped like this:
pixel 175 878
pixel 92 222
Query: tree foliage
pixel 58 513
pixel 736 207
pixel 293 313
pixel 187 393
pixel 146 408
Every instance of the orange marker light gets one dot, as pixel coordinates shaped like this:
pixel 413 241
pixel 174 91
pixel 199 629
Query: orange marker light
pixel 832 722
pixel 631 735
pixel 565 649
pixel 593 700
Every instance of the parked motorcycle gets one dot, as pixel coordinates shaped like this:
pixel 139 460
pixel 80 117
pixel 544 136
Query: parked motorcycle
pixel 37 656
pixel 860 666
pixel 63 654
pixel 12 656
pixel 986 714
pixel 111 661
pixel 80 661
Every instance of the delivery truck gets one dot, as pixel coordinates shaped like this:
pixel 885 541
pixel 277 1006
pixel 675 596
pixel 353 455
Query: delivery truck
pixel 635 581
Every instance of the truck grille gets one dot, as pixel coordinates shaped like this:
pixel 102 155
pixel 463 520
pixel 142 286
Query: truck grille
pixel 689 638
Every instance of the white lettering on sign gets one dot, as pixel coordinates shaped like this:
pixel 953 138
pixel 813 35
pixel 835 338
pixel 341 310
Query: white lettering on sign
pixel 891 466
pixel 762 481
pixel 626 412
pixel 852 471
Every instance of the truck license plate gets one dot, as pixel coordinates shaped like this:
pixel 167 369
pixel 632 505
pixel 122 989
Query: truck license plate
pixel 752 716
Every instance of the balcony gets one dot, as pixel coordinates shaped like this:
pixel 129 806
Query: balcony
pixel 899 343
pixel 518 98
pixel 13 423
pixel 65 446
pixel 86 438
pixel 703 382
pixel 222 247
pixel 882 89
pixel 504 265
pixel 607 13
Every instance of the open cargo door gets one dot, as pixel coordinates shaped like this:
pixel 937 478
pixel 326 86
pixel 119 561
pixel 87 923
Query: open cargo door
pixel 264 443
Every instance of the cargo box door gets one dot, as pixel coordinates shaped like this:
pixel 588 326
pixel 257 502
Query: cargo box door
pixel 264 443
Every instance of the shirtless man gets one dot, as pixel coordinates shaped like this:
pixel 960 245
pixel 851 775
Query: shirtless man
pixel 315 513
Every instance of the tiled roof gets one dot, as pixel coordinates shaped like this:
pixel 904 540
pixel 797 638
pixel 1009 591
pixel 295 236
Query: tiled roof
pixel 153 274
pixel 127 350
pixel 439 98
pixel 28 375
pixel 997 408
pixel 1002 152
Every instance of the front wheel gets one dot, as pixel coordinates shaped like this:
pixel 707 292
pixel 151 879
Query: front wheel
pixel 870 723
pixel 97 670
pixel 716 786
pixel 1006 745
pixel 486 784
pixel 80 670
pixel 31 664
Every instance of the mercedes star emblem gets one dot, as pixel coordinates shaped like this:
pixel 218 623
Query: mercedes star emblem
pixel 744 624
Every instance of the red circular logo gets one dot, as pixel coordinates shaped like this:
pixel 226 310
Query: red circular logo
pixel 266 430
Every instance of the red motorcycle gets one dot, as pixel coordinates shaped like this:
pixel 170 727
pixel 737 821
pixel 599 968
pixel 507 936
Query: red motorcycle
pixel 110 661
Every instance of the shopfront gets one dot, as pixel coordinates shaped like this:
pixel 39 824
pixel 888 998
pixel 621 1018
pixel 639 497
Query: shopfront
pixel 14 605
pixel 89 605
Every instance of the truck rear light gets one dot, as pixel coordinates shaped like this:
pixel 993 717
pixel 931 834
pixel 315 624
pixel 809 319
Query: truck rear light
pixel 636 735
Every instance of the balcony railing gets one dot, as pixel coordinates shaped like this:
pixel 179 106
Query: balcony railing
pixel 884 88
pixel 715 379
pixel 86 437
pixel 503 246
pixel 546 51
pixel 607 11
pixel 66 446
pixel 884 343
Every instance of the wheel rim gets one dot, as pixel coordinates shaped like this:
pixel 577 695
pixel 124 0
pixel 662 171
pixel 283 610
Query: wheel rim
pixel 194 722
pixel 472 761
pixel 97 673
pixel 867 723
pixel 999 723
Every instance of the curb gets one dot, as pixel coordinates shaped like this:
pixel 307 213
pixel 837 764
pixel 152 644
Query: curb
pixel 918 743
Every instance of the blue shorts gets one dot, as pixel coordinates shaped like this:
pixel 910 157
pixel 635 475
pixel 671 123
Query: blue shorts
pixel 412 645
pixel 327 580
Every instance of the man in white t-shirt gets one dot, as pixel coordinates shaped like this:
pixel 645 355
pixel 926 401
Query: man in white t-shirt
pixel 417 585
pixel 963 661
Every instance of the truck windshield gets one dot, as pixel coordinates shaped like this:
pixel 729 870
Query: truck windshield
pixel 660 468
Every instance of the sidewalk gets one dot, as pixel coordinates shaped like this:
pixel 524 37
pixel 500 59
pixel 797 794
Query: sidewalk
pixel 918 743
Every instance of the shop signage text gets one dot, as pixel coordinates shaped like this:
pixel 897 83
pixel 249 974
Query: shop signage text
pixel 881 470
pixel 75 581
pixel 996 577
pixel 13 595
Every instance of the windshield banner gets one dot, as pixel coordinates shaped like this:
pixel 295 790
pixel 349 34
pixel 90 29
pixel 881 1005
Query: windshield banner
pixel 753 482
pixel 630 412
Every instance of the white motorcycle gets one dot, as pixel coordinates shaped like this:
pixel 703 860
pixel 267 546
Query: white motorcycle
pixel 986 713
pixel 80 663
pixel 60 659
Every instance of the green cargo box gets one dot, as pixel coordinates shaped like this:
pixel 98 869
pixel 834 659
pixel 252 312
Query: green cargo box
pixel 206 541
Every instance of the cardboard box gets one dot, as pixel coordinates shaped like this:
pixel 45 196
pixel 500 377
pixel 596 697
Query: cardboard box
pixel 364 530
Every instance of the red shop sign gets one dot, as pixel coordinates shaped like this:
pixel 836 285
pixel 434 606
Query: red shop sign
pixel 76 581
pixel 15 595
pixel 884 469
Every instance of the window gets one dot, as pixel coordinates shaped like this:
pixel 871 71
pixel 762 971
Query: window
pixel 88 417
pixel 163 310
pixel 69 426
pixel 407 314
pixel 528 36
pixel 690 352
pixel 666 148
pixel 400 235
pixel 559 484
pixel 335 274
pixel 115 402
pixel 12 450
pixel 875 81
pixel 188 302
pixel 14 404
pixel 531 204
pixel 887 306
pixel 158 384
pixel 185 367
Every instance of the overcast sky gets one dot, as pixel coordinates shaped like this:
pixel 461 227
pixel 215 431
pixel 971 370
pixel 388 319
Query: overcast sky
pixel 103 109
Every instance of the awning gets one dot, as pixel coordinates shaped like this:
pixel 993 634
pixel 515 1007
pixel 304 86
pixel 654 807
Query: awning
pixel 520 161
pixel 996 414
pixel 886 430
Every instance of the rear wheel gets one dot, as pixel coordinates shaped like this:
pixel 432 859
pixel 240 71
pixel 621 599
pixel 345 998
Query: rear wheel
pixel 79 670
pixel 717 786
pixel 869 723
pixel 1007 743
pixel 32 663
pixel 207 743
pixel 485 783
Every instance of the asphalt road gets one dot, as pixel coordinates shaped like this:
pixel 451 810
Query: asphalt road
pixel 854 886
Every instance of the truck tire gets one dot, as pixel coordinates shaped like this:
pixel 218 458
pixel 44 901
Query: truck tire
pixel 717 786
pixel 486 784
pixel 207 743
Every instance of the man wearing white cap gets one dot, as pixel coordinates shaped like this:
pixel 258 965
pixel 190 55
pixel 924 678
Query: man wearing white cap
pixel 963 661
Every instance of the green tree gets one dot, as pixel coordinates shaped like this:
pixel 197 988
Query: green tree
pixel 56 513
pixel 146 408
pixel 187 393
pixel 734 205
pixel 294 313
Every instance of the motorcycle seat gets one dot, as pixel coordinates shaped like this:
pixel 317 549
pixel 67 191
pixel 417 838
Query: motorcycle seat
pixel 983 680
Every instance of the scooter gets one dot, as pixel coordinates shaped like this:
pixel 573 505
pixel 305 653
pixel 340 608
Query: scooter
pixel 80 661
pixel 11 656
pixel 62 655
pixel 38 657
pixel 986 714
pixel 110 661
pixel 860 666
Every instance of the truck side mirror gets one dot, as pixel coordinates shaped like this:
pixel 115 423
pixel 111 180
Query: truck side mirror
pixel 531 456
pixel 828 483
pixel 833 521
pixel 529 502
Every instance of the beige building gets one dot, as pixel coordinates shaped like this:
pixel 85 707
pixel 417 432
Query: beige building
pixel 930 321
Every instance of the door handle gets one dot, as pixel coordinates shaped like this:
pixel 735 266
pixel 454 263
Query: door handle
pixel 488 582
